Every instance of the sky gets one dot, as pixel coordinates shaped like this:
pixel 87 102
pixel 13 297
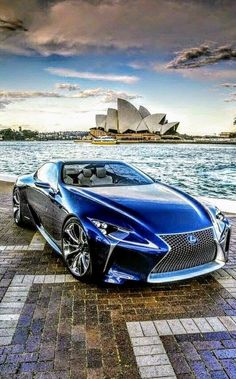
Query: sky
pixel 62 62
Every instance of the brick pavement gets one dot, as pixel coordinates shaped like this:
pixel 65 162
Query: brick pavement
pixel 66 329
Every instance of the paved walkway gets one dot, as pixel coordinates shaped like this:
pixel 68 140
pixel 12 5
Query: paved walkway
pixel 52 326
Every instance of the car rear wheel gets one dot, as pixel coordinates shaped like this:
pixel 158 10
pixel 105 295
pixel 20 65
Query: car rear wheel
pixel 76 251
pixel 17 213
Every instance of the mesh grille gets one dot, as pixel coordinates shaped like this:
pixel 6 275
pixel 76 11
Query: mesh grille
pixel 185 255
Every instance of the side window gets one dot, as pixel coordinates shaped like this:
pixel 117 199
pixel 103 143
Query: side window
pixel 48 174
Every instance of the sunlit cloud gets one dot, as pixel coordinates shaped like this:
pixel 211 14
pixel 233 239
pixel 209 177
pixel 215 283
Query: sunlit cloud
pixel 67 73
pixel 109 96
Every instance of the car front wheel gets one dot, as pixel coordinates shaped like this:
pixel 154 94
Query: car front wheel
pixel 17 213
pixel 76 251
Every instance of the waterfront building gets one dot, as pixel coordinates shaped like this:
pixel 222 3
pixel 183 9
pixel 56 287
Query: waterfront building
pixel 127 119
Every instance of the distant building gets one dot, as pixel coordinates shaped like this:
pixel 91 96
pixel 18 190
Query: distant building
pixel 128 119
pixel 228 134
pixel 66 135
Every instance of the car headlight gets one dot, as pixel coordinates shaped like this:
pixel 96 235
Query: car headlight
pixel 219 221
pixel 219 215
pixel 106 228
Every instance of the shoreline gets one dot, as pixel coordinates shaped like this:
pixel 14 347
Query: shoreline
pixel 163 141
pixel 225 205
pixel 172 142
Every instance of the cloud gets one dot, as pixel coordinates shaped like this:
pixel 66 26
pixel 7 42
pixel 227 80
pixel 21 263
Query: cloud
pixel 202 56
pixel 106 95
pixel 201 73
pixel 9 97
pixel 109 96
pixel 228 85
pixel 67 73
pixel 67 86
pixel 4 103
pixel 12 25
pixel 137 65
pixel 231 98
pixel 27 94
pixel 74 27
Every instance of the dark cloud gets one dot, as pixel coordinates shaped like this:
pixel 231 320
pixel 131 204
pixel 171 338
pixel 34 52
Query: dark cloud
pixel 228 85
pixel 202 56
pixel 74 27
pixel 12 25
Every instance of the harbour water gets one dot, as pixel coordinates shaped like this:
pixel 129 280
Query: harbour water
pixel 201 170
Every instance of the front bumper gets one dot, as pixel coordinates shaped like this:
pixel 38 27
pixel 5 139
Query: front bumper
pixel 175 276
pixel 137 263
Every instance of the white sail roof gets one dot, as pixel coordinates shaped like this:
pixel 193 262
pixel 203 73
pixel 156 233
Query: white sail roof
pixel 129 117
pixel 111 120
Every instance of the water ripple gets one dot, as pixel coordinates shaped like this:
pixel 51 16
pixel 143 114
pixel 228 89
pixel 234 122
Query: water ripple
pixel 206 170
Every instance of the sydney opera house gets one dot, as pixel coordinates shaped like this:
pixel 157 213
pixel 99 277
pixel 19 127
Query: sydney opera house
pixel 127 119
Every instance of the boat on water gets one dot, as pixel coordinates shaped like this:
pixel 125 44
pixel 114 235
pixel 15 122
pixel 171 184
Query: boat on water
pixel 105 140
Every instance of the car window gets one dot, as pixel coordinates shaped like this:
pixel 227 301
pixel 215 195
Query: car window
pixel 48 174
pixel 95 174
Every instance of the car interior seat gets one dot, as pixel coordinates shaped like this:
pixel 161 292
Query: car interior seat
pixel 84 178
pixel 101 177
pixel 67 175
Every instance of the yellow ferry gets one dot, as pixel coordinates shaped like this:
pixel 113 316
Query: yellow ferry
pixel 106 140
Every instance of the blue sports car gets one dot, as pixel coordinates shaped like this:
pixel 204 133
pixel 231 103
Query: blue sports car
pixel 110 221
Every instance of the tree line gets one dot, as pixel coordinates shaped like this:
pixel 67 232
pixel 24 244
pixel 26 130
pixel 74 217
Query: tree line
pixel 13 135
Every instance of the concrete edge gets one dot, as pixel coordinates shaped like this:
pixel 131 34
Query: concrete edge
pixel 7 178
pixel 225 205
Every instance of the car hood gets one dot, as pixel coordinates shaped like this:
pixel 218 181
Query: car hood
pixel 161 208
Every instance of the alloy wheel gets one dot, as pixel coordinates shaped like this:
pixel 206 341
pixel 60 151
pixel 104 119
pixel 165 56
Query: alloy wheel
pixel 16 206
pixel 76 249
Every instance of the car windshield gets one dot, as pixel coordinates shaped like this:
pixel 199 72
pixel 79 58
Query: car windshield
pixel 95 174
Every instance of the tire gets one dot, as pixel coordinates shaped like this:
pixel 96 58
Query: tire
pixel 76 251
pixel 17 212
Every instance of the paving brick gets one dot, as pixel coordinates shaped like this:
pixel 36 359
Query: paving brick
pixel 148 328
pixel 216 324
pixel 225 353
pixel 210 361
pixel 134 329
pixel 152 360
pixel 203 325
pixel 189 325
pixel 149 350
pixel 162 327
pixel 143 341
pixel 176 326
pixel 156 371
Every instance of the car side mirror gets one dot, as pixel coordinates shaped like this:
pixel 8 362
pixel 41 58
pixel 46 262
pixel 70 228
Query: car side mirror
pixel 42 185
pixel 53 192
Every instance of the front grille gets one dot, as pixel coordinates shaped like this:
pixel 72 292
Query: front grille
pixel 183 254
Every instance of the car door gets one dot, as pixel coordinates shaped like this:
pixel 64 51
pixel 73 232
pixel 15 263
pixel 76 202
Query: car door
pixel 60 211
pixel 39 196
